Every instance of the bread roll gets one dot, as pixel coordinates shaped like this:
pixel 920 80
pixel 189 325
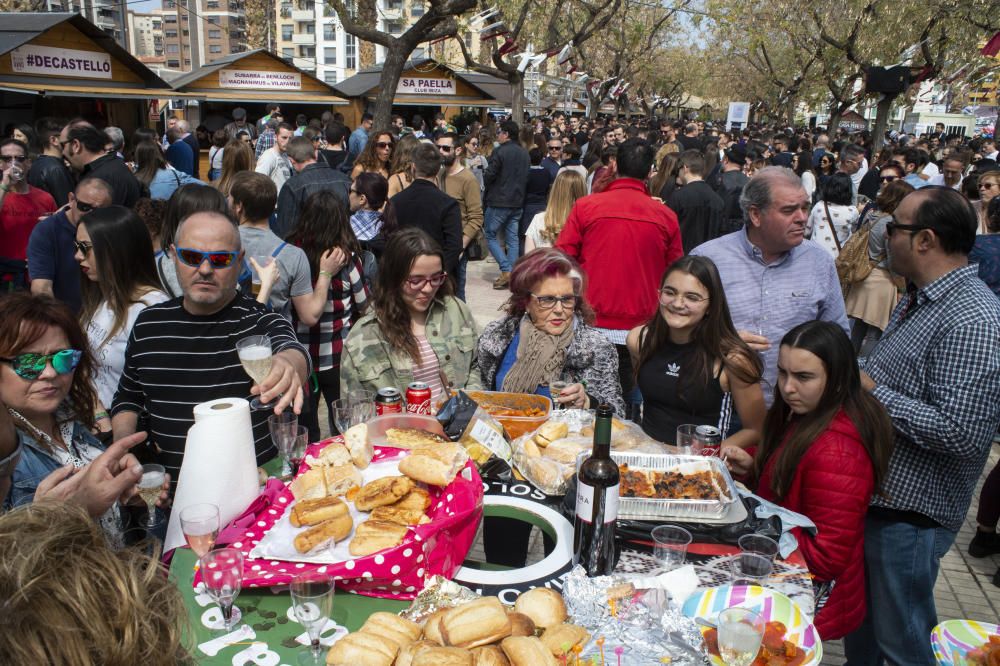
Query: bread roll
pixel 392 628
pixel 565 451
pixel 489 655
pixel 435 466
pixel 475 623
pixel 561 638
pixel 443 656
pixel 407 438
pixel 521 624
pixel 316 511
pixel 311 484
pixel 531 449
pixel 527 651
pixel 333 453
pixel 382 492
pixel 544 606
pixel 394 514
pixel 406 655
pixel 341 478
pixel 432 626
pixel 372 536
pixel 361 450
pixel 418 498
pixel 336 529
pixel 361 648
pixel 549 432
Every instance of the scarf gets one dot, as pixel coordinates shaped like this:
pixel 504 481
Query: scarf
pixel 540 357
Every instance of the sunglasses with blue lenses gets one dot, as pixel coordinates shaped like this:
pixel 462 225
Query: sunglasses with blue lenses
pixel 31 365
pixel 195 258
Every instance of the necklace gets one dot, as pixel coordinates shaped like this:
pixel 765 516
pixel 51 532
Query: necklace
pixel 74 455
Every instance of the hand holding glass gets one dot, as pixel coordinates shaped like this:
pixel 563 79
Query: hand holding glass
pixel 556 386
pixel 222 573
pixel 150 487
pixel 256 355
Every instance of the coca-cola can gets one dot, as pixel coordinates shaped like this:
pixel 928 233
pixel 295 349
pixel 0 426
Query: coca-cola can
pixel 708 440
pixel 388 401
pixel 418 398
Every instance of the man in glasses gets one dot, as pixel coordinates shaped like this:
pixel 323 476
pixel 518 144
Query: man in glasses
pixel 48 170
pixel 552 161
pixel 183 352
pixel 21 206
pixel 461 185
pixel 936 369
pixel 83 147
pixel 51 264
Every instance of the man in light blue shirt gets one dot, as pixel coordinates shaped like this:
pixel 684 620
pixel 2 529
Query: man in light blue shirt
pixel 359 137
pixel 774 279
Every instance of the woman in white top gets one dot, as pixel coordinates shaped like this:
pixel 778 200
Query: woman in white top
pixel 219 140
pixel 545 226
pixel 802 165
pixel 119 280
pixel 832 219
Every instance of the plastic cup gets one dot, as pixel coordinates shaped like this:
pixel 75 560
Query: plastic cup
pixel 687 438
pixel 670 544
pixel 750 569
pixel 758 544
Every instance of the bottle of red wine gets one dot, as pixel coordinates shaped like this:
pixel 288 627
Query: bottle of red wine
pixel 597 503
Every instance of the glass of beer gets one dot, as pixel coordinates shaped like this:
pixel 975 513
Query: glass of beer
pixel 150 487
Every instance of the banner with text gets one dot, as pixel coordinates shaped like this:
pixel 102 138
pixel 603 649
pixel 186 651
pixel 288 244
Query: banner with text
pixel 33 59
pixel 243 78
pixel 412 85
pixel 739 114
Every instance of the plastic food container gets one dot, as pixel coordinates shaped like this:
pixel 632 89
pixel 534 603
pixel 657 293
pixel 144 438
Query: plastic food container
pixel 504 407
pixel 378 426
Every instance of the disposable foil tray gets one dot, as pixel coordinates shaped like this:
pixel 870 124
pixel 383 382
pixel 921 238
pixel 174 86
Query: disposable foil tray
pixel 640 508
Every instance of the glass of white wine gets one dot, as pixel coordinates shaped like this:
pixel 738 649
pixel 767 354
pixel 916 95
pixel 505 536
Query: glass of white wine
pixel 556 386
pixel 222 573
pixel 150 487
pixel 312 602
pixel 255 355
pixel 200 524
pixel 740 633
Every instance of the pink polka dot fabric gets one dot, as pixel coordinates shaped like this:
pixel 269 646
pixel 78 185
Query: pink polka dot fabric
pixel 437 547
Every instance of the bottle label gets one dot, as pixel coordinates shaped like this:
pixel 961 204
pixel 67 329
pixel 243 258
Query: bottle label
pixel 585 503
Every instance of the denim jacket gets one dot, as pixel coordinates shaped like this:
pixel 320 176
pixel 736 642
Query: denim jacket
pixel 36 463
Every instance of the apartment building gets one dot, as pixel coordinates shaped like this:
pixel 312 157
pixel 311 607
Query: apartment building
pixel 196 32
pixel 108 15
pixel 310 36
pixel 145 35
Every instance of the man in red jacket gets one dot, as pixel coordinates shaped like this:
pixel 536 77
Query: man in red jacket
pixel 623 240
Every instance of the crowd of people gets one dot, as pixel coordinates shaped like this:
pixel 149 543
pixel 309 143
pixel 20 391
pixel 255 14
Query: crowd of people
pixel 674 271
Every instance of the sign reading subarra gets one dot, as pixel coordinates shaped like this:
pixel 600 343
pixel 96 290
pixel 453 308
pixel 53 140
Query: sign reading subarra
pixel 33 59
pixel 244 78
pixel 412 85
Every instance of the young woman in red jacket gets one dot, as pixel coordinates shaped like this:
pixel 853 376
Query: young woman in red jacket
pixel 825 449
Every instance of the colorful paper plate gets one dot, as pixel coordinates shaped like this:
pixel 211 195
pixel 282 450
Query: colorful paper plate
pixel 773 606
pixel 953 637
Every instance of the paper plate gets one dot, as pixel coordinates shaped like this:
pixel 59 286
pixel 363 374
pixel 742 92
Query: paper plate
pixel 959 636
pixel 773 606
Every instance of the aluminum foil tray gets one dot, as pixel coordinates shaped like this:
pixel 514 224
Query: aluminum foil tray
pixel 638 508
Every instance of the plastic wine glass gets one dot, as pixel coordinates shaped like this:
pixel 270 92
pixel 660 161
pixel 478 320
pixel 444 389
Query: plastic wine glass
pixel 255 356
pixel 740 633
pixel 283 430
pixel 312 603
pixel 150 487
pixel 297 450
pixel 222 573
pixel 556 386
pixel 200 524
pixel 342 410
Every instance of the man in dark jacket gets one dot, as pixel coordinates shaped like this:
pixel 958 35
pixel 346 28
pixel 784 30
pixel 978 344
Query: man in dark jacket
pixel 425 206
pixel 310 176
pixel 48 171
pixel 699 209
pixel 83 147
pixel 506 179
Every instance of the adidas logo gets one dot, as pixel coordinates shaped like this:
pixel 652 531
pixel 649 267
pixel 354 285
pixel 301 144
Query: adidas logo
pixel 673 369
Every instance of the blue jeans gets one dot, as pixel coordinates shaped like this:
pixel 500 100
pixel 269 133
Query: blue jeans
pixel 506 219
pixel 902 562
pixel 463 266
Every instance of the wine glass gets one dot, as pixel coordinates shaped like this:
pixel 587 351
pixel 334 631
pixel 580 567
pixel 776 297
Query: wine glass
pixel 297 450
pixel 200 524
pixel 740 633
pixel 556 386
pixel 342 411
pixel 222 573
pixel 150 487
pixel 312 602
pixel 283 429
pixel 255 355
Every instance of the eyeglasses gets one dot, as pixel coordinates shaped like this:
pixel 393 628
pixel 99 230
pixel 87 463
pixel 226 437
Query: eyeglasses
pixel 669 295
pixel 85 207
pixel 986 186
pixel 7 159
pixel 555 147
pixel 893 227
pixel 83 247
pixel 417 283
pixel 474 144
pixel 888 179
pixel 31 365
pixel 548 302
pixel 195 258
pixel 383 144
pixel 444 149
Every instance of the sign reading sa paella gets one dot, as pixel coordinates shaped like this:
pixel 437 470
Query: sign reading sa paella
pixel 413 85
pixel 247 78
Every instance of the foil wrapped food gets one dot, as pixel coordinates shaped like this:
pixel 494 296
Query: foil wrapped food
pixel 438 593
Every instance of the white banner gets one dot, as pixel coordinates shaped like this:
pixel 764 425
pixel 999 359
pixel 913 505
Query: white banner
pixel 412 85
pixel 33 59
pixel 244 78
pixel 739 112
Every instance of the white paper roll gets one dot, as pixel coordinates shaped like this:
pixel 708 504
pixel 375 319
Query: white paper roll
pixel 219 466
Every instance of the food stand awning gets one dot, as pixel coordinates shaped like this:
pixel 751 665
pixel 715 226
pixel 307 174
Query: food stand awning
pixel 426 82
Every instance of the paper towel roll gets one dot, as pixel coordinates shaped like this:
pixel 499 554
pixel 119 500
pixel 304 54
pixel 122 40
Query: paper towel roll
pixel 219 466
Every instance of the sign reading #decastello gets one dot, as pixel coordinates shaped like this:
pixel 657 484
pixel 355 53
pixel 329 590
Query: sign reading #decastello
pixel 412 85
pixel 33 59
pixel 245 78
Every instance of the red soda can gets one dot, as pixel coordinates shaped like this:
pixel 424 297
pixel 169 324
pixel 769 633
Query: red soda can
pixel 709 440
pixel 388 401
pixel 418 398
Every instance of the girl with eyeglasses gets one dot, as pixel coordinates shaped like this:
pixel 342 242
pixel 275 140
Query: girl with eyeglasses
pixel 118 282
pixel 376 155
pixel 474 161
pixel 988 186
pixel 827 167
pixel 417 330
pixel 690 364
pixel 547 335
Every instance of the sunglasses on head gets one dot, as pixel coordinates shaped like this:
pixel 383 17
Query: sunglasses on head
pixel 31 365
pixel 195 258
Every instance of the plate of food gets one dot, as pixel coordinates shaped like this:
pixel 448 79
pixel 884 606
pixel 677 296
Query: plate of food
pixel 790 639
pixel 966 643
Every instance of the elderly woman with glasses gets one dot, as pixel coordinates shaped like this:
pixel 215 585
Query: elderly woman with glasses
pixel 546 337
pixel 988 186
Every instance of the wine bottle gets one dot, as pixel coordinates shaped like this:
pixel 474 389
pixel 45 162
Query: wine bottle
pixel 597 503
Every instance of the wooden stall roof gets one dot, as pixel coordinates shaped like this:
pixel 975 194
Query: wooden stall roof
pixel 63 30
pixel 471 88
pixel 204 82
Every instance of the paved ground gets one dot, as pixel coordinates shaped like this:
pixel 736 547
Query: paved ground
pixel 964 588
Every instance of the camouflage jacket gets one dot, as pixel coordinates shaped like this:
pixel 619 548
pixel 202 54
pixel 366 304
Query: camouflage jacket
pixel 368 362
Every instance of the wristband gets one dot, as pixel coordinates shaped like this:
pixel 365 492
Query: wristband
pixel 100 415
pixel 326 273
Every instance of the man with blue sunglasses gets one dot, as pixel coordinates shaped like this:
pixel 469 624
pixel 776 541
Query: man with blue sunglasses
pixel 183 352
